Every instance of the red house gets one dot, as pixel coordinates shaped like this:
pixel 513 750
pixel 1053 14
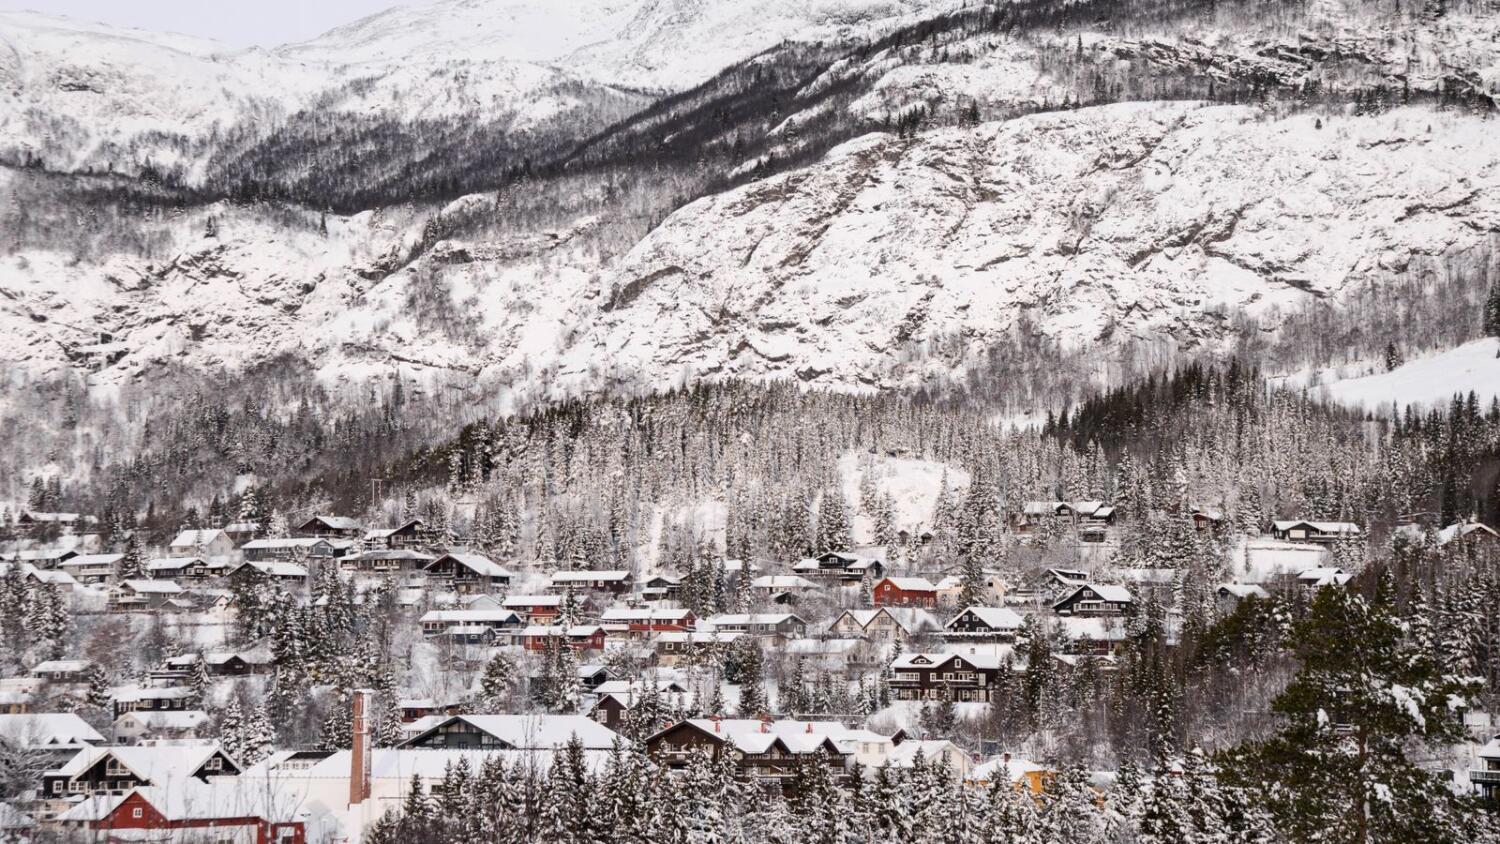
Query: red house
pixel 584 637
pixel 905 592
pixel 641 622
pixel 534 608
pixel 232 810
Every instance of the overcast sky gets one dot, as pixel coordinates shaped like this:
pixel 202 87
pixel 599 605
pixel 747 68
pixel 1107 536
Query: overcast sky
pixel 266 23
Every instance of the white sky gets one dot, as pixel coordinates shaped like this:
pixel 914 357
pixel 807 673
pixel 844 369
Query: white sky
pixel 265 23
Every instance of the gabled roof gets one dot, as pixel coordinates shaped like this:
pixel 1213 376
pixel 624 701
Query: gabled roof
pixel 739 619
pixel 55 665
pixel 172 563
pixel 48 729
pixel 628 614
pixel 533 600
pixel 151 587
pixel 751 735
pixel 1455 531
pixel 997 618
pixel 171 719
pixel 334 522
pixel 1243 590
pixel 988 661
pixel 911 584
pixel 477 563
pixel 1106 592
pixel 470 617
pixel 87 560
pixel 534 732
pixel 783 582
pixel 1339 528
pixel 155 764
pixel 588 576
pixel 273 568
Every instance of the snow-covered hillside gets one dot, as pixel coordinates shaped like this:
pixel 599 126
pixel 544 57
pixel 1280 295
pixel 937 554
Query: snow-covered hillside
pixel 1144 222
pixel 85 95
pixel 654 44
pixel 1434 379
pixel 1096 227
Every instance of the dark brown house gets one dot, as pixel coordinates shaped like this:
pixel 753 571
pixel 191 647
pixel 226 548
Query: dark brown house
pixel 762 751
pixel 933 676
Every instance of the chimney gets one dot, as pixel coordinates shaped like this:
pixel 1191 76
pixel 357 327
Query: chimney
pixel 359 755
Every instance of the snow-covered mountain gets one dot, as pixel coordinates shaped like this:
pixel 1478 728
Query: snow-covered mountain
pixel 85 95
pixel 873 210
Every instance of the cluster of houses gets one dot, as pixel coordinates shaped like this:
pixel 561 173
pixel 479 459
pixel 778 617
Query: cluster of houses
pixel 846 615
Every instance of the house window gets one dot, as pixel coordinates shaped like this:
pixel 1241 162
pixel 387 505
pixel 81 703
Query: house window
pixel 75 787
pixel 215 764
pixel 136 813
pixel 57 786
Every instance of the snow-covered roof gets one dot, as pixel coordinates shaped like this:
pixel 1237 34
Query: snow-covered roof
pixel 91 560
pixel 151 587
pixel 1339 528
pixel 1324 576
pixel 156 764
pixel 47 729
pixel 1106 592
pixel 933 660
pixel 1243 590
pixel 602 576
pixel 51 577
pixel 195 800
pixel 283 542
pixel 577 631
pixel 520 601
pixel 750 735
pixel 179 719
pixel 1003 769
pixel 702 637
pixel 53 666
pixel 171 563
pixel 746 619
pixel 782 582
pixel 911 584
pixel 1093 629
pixel 629 614
pixel 274 568
pixel 130 694
pixel 538 732
pixel 470 617
pixel 477 563
pixel 1455 531
pixel 335 522
pixel 998 618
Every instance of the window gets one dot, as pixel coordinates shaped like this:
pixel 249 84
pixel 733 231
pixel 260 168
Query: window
pixel 75 787
pixel 215 764
pixel 137 812
pixel 57 786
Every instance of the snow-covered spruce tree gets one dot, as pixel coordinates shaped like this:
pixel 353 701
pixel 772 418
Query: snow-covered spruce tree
pixel 751 661
pixel 833 522
pixel 1338 769
pixel 1491 322
pixel 497 683
pixel 258 737
pixel 232 730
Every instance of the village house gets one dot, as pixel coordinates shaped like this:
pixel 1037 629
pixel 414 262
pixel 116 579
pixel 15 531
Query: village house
pixel 1206 520
pixel 1467 533
pixel 616 698
pixel 1074 513
pixel 762 750
pixel 270 571
pixel 534 608
pixel 840 566
pixel 242 532
pixel 44 558
pixel 933 676
pixel 412 534
pixel 62 671
pixel 580 637
pixel 1485 776
pixel 661 587
pixel 951 589
pixel 1318 532
pixel 1045 586
pixel 886 624
pixel 1095 599
pixel 783 588
pixel 210 544
pixel 191 569
pixel 905 592
pixel 436 622
pixel 780 626
pixel 46 577
pixel 986 624
pixel 1316 578
pixel 641 623
pixel 955 760
pixel 847 657
pixel 221 811
pixel 1229 595
pixel 1095 635
pixel 57 735
pixel 468 573
pixel 66 524
pixel 514 732
pixel 133 727
pixel 1024 776
pixel 382 561
pixel 150 699
pixel 92 568
pixel 673 648
pixel 146 596
pixel 225 663
pixel 287 550
pixel 330 527
pixel 116 770
pixel 617 582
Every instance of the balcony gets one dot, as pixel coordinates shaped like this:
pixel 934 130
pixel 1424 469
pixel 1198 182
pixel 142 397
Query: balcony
pixel 1484 777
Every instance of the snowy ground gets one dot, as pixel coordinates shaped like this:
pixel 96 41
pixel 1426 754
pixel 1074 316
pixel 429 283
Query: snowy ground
pixel 913 484
pixel 1425 381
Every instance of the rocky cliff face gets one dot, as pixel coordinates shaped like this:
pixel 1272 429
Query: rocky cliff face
pixel 893 260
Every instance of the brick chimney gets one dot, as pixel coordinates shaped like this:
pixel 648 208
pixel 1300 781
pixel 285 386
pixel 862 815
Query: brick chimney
pixel 359 755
